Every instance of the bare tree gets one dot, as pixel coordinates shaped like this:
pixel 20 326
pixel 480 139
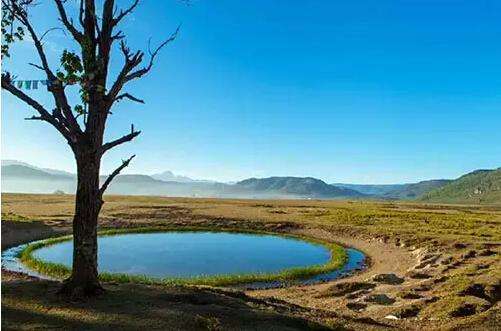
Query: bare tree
pixel 82 125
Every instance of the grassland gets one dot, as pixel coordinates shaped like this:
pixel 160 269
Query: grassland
pixel 439 251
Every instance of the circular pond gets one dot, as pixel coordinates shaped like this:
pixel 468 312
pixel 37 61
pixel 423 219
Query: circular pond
pixel 194 254
pixel 196 257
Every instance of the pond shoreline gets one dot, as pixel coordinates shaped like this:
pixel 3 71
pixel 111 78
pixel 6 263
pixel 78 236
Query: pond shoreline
pixel 342 263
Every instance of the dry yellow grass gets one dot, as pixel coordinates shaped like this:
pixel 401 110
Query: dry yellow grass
pixel 408 221
pixel 448 231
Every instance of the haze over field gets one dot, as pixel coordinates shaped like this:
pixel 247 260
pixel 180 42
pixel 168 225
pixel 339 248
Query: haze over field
pixel 478 186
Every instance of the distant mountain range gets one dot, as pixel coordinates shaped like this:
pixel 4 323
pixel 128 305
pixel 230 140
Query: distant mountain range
pixel 24 178
pixel 20 177
pixel 478 186
pixel 169 176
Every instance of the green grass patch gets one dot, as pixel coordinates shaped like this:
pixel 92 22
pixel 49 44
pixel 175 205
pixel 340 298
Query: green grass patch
pixel 337 259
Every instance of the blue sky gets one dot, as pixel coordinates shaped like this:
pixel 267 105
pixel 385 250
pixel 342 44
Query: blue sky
pixel 346 91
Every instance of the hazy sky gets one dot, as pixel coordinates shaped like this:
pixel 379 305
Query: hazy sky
pixel 346 91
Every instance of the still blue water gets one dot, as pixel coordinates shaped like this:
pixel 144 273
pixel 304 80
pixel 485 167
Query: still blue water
pixel 188 254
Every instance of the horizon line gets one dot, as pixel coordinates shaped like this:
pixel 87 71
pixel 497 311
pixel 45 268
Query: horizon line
pixel 254 177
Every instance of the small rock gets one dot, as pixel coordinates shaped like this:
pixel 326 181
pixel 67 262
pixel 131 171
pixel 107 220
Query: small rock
pixel 391 317
pixel 463 310
pixel 493 291
pixel 440 279
pixel 431 299
pixel 486 252
pixel 447 268
pixel 341 289
pixel 390 279
pixel 427 256
pixel 476 290
pixel 469 307
pixel 356 306
pixel 431 258
pixel 409 311
pixel 446 260
pixel 482 266
pixel 357 294
pixel 418 275
pixel 423 288
pixel 422 265
pixel 470 254
pixel 410 295
pixel 380 299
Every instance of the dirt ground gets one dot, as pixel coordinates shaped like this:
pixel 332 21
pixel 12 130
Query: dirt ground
pixel 430 267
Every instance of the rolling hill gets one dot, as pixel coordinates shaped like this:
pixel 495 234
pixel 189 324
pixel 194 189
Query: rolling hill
pixel 397 191
pixel 301 187
pixel 413 191
pixel 371 189
pixel 26 172
pixel 18 178
pixel 47 170
pixel 480 186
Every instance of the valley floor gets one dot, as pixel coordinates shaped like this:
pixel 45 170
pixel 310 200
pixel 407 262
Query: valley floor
pixel 445 260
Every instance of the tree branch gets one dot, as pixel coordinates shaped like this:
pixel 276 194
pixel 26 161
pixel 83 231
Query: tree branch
pixel 67 23
pixel 105 36
pixel 115 173
pixel 50 30
pixel 124 13
pixel 34 118
pixel 153 54
pixel 118 36
pixel 21 15
pixel 128 137
pixel 44 114
pixel 131 62
pixel 81 13
pixel 36 66
pixel 56 89
pixel 128 96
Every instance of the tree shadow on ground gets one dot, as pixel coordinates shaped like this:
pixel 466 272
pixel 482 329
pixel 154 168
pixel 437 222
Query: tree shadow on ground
pixel 28 303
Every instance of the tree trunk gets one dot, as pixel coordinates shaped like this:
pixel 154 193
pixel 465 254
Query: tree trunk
pixel 84 277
